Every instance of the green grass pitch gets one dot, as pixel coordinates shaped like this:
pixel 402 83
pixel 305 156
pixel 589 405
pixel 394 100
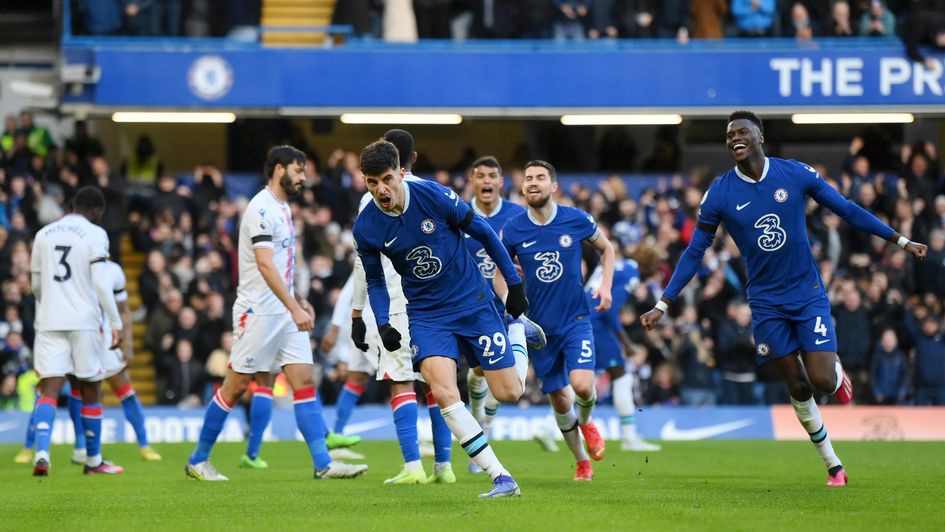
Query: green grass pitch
pixel 717 485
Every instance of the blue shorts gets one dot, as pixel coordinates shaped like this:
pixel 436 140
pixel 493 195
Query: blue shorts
pixel 783 329
pixel 478 334
pixel 572 349
pixel 607 350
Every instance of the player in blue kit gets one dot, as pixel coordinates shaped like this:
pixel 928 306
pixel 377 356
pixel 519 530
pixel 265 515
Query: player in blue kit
pixel 762 202
pixel 419 226
pixel 487 182
pixel 547 241
pixel 611 343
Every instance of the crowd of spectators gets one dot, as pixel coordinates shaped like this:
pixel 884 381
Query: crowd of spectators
pixel 920 22
pixel 888 309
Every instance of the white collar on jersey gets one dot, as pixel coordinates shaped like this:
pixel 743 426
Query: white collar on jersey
pixel 554 212
pixel 406 198
pixel 477 210
pixel 745 178
pixel 279 201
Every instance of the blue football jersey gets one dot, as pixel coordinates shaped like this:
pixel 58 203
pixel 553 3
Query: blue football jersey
pixel 503 213
pixel 425 246
pixel 550 256
pixel 768 221
pixel 626 280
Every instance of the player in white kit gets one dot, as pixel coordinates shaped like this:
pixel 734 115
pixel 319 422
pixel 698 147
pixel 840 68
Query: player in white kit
pixel 271 323
pixel 70 281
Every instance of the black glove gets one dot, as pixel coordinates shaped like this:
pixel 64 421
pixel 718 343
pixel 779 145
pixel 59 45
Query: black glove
pixel 390 337
pixel 358 332
pixel 515 302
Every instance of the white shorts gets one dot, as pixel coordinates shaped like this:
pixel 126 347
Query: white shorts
pixel 61 353
pixel 265 342
pixel 113 362
pixel 394 366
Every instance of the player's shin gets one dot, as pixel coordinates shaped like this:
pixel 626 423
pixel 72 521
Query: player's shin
pixel 490 411
pixel 92 425
pixel 213 421
pixel 45 417
pixel 134 413
pixel 347 401
pixel 568 424
pixel 586 405
pixel 31 428
pixel 404 407
pixel 308 417
pixel 519 350
pixel 260 414
pixel 809 415
pixel 474 442
pixel 623 403
pixel 477 393
pixel 75 414
pixel 442 437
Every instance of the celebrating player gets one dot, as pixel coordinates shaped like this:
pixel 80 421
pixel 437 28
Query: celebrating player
pixel 762 202
pixel 487 181
pixel 547 241
pixel 272 323
pixel 418 226
pixel 72 286
pixel 611 343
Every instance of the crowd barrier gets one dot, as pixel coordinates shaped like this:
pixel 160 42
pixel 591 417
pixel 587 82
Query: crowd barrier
pixel 168 424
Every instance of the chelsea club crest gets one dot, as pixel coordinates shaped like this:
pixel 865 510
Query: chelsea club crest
pixel 428 226
pixel 565 241
pixel 780 195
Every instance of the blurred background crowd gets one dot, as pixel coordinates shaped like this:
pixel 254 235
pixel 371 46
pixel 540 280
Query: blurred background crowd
pixel 888 309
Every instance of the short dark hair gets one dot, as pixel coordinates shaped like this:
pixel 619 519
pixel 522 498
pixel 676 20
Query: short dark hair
pixel 403 140
pixel 747 115
pixel 88 199
pixel 282 155
pixel 544 164
pixel 378 157
pixel 488 161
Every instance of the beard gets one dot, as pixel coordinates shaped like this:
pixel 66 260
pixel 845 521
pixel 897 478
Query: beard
pixel 289 187
pixel 538 202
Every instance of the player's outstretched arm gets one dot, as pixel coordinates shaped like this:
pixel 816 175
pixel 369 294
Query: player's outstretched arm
pixel 606 250
pixel 475 226
pixel 267 268
pixel 688 265
pixel 859 217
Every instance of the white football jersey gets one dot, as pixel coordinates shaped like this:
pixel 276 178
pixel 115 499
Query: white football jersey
pixel 117 282
pixel 398 302
pixel 266 223
pixel 63 253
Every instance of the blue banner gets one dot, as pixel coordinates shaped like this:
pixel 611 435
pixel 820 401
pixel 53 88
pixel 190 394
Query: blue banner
pixel 505 78
pixel 168 424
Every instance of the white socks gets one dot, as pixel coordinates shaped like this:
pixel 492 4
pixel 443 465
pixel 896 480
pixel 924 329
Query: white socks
pixel 585 406
pixel 491 409
pixel 568 423
pixel 465 428
pixel 622 390
pixel 809 416
pixel 477 394
pixel 517 339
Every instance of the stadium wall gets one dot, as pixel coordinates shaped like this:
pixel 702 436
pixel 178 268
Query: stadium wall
pixel 168 424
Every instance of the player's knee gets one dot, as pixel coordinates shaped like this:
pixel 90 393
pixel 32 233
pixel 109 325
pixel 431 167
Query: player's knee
pixel 508 393
pixel 445 395
pixel 800 390
pixel 583 389
pixel 826 383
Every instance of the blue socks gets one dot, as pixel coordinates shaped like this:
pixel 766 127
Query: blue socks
pixel 92 423
pixel 442 437
pixel 308 416
pixel 75 414
pixel 212 425
pixel 404 406
pixel 348 399
pixel 134 414
pixel 31 428
pixel 260 413
pixel 45 414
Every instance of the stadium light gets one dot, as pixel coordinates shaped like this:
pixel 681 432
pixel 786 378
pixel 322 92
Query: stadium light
pixel 402 118
pixel 173 117
pixel 853 118
pixel 621 120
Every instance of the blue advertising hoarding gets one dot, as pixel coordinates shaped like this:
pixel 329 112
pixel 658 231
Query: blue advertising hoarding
pixel 509 77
